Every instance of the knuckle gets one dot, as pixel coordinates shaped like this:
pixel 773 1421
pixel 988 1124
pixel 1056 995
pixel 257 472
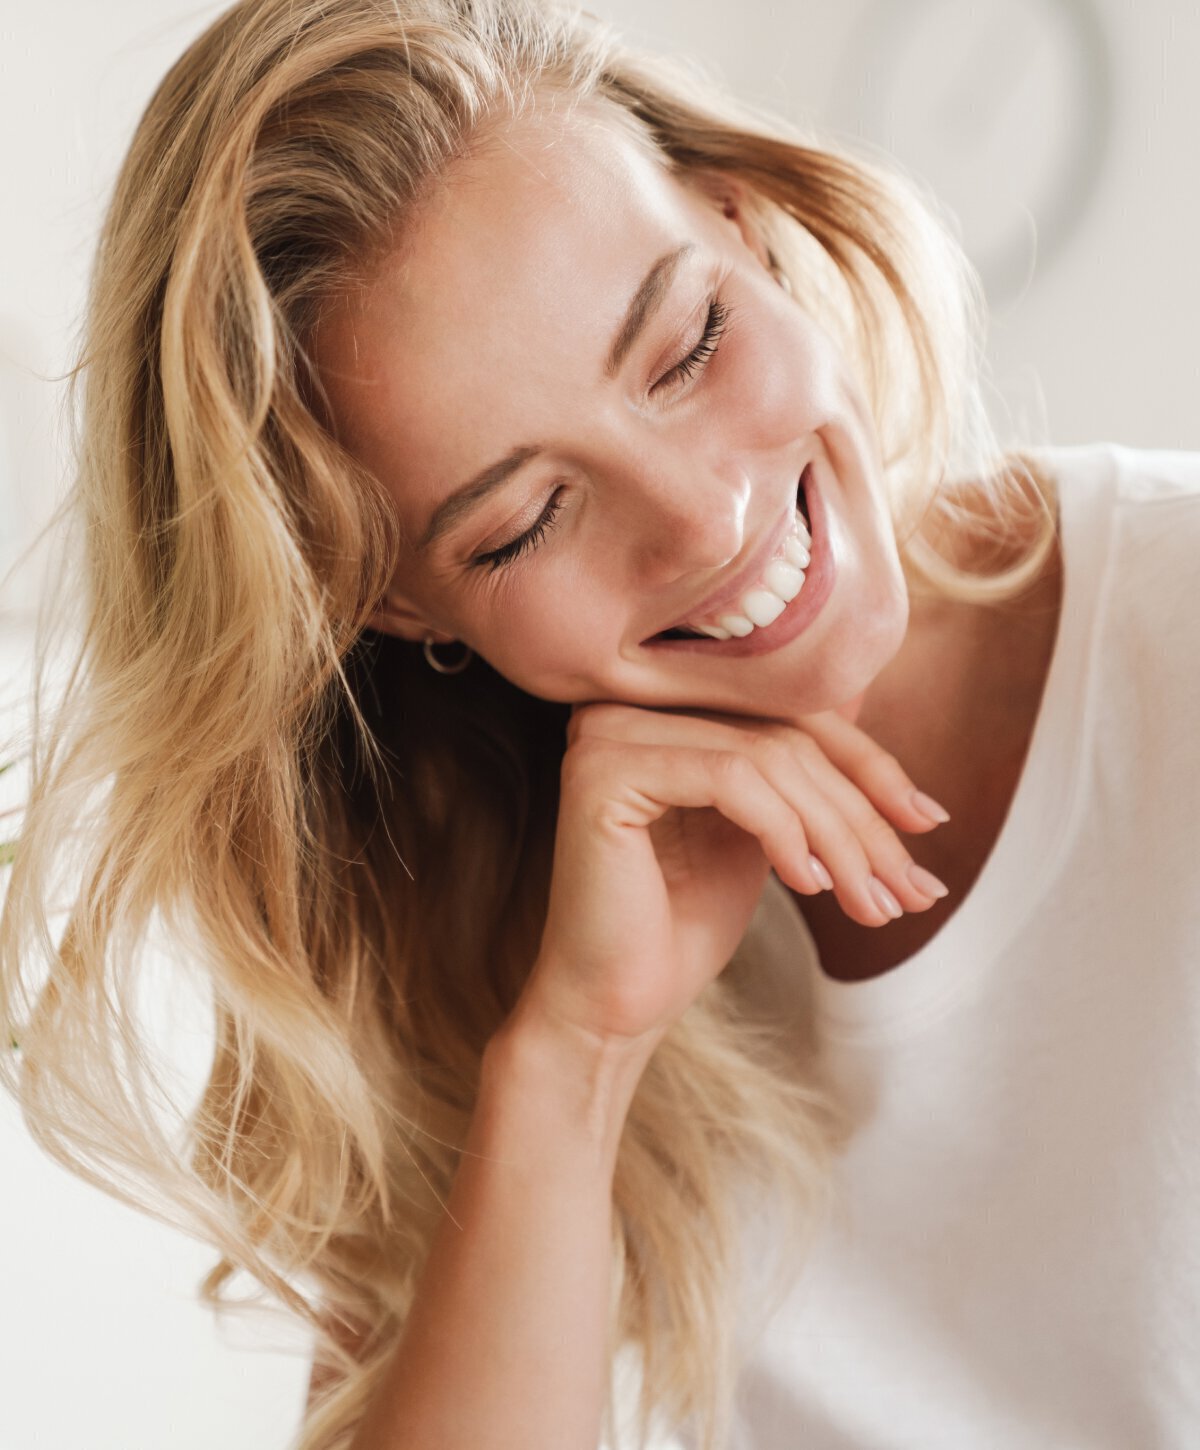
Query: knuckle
pixel 883 773
pixel 591 720
pixel 845 842
pixel 584 762
pixel 807 748
pixel 877 833
pixel 733 768
pixel 773 749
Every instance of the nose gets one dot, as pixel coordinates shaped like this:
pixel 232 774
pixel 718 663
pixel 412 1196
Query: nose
pixel 685 517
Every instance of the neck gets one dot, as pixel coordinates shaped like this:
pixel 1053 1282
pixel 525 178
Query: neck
pixel 957 704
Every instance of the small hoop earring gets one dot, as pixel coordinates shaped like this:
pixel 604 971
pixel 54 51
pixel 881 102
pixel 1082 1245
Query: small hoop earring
pixel 440 666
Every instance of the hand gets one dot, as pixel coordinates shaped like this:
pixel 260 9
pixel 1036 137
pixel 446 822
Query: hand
pixel 668 826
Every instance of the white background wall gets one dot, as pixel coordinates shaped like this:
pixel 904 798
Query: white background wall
pixel 1063 134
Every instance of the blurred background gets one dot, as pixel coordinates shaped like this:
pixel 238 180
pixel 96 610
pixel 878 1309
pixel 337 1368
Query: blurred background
pixel 1060 133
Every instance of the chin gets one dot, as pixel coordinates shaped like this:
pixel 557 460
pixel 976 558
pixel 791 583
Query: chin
pixel 838 674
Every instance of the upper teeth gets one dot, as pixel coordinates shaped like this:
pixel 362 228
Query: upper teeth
pixel 765 601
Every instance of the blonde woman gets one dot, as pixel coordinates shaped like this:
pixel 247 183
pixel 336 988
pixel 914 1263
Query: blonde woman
pixel 544 569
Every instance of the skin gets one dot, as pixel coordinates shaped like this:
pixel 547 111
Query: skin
pixel 488 328
pixel 459 352
pixel 966 736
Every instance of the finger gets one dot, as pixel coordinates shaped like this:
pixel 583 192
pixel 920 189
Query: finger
pixel 845 831
pixel 887 857
pixel 635 785
pixel 856 843
pixel 858 848
pixel 878 774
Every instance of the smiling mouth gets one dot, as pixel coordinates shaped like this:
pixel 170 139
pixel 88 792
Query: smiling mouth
pixel 681 631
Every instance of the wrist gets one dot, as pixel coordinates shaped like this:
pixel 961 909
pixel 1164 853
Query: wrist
pixel 567 1071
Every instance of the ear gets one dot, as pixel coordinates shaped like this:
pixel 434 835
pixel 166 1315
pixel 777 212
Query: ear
pixel 396 616
pixel 736 203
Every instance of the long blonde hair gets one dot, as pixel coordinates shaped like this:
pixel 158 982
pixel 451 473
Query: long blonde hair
pixel 297 804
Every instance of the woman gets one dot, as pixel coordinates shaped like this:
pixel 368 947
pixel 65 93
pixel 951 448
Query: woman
pixel 540 534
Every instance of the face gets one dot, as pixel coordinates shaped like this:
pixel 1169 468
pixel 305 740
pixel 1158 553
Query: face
pixel 604 353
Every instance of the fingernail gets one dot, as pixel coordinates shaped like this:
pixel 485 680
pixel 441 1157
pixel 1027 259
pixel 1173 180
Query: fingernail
pixel 819 871
pixel 926 881
pixel 929 807
pixel 884 899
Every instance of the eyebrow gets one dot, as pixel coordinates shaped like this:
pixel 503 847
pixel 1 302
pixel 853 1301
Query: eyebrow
pixel 644 303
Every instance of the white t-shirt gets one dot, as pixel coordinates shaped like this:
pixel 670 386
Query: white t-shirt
pixel 1014 1259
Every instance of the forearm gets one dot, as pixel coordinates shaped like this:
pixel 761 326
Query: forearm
pixel 506 1345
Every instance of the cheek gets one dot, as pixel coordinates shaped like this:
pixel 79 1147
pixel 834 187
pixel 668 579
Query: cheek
pixel 555 639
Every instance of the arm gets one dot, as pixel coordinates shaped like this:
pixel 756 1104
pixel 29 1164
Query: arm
pixel 506 1344
pixel 667 828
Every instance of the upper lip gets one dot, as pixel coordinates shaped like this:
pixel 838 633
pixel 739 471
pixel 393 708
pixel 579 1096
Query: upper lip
pixel 749 574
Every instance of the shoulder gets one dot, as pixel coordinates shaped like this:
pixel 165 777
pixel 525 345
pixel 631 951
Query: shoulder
pixel 1133 513
pixel 1156 531
pixel 1136 480
pixel 1157 478
pixel 1155 540
pixel 1135 528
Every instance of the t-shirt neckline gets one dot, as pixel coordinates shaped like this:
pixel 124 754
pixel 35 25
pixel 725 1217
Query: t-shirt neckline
pixel 1043 813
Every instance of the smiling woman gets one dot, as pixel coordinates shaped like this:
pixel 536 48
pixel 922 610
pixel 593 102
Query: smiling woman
pixel 541 1049
pixel 654 404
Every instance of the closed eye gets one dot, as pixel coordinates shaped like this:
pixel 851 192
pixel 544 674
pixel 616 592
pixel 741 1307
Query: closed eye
pixel 715 325
pixel 530 539
pixel 705 349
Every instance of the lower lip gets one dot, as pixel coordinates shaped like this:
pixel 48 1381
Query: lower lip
pixel 798 615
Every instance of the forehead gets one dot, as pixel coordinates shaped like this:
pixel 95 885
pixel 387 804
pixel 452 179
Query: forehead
pixel 542 197
pixel 502 299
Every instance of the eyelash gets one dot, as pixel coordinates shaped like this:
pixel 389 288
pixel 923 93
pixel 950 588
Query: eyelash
pixel 699 357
